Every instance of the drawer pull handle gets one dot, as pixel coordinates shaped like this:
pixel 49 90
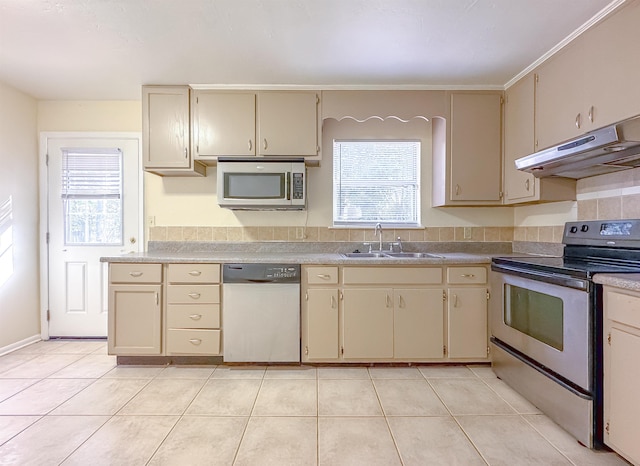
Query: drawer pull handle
pixel 333 302
pixel 195 316
pixel 195 273
pixel 389 302
pixel 324 276
pixel 468 275
pixel 136 274
pixel 195 341
pixel 455 300
pixel 194 295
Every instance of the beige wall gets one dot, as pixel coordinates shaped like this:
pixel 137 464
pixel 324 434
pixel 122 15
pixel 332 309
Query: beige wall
pixel 19 296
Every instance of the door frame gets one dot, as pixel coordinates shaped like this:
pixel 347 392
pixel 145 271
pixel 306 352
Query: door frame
pixel 43 183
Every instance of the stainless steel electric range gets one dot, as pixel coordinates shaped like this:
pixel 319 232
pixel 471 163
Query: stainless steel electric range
pixel 546 322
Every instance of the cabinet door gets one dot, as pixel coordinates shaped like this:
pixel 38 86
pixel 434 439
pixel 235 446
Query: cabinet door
pixel 611 86
pixel 165 127
pixel 467 318
pixel 418 324
pixel 288 123
pixel 559 97
pixel 476 147
pixel 322 324
pixel 621 394
pixel 519 139
pixel 134 319
pixel 367 323
pixel 224 124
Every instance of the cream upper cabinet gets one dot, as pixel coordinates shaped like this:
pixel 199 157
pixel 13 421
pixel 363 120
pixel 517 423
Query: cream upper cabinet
pixel 622 372
pixel 467 155
pixel 592 82
pixel 223 123
pixel 612 65
pixel 249 123
pixel 519 141
pixel 166 131
pixel 288 123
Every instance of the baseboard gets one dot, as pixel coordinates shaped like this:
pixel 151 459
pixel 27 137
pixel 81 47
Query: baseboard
pixel 19 344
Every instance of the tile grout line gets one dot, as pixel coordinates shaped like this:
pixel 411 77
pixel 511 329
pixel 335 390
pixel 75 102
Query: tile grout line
pixel 246 426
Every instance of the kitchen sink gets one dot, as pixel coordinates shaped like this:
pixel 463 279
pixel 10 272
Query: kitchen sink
pixel 416 255
pixel 391 255
pixel 363 255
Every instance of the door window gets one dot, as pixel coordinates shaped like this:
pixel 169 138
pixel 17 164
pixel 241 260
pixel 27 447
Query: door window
pixel 92 197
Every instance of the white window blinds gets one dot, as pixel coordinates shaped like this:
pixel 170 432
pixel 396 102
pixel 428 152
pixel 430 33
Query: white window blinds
pixel 376 181
pixel 92 175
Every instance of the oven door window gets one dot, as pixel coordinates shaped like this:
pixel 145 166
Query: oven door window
pixel 539 315
pixel 255 185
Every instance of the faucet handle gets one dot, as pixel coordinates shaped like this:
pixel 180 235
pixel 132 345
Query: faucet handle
pixel 367 246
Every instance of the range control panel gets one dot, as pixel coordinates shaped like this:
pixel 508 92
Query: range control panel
pixel 603 232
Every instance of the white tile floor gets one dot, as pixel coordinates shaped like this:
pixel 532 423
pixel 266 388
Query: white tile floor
pixel 67 403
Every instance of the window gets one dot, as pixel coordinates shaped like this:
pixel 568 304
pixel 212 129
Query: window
pixel 376 181
pixel 92 196
pixel 6 240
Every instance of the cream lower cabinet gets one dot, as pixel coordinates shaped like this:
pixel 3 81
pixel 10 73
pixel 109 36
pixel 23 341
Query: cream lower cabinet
pixel 320 314
pixel 622 372
pixel 367 318
pixel 418 322
pixel 135 309
pixel 193 309
pixel 467 308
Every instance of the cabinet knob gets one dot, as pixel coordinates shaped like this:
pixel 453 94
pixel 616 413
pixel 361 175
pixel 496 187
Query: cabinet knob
pixel 457 189
pixel 324 276
pixel 195 316
pixel 265 145
pixel 467 275
pixel 591 114
pixel 333 302
pixel 194 295
pixel 186 153
pixel 135 274
pixel 526 184
pixel 195 273
pixel 250 145
pixel 195 341
pixel 578 121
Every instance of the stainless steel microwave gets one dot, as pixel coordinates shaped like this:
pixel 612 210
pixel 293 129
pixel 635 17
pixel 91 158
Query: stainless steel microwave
pixel 262 183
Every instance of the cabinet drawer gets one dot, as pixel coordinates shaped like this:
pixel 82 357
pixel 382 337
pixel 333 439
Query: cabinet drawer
pixel 193 294
pixel 189 341
pixel 322 275
pixel 392 276
pixel 193 316
pixel 193 273
pixel 461 275
pixel 622 307
pixel 135 273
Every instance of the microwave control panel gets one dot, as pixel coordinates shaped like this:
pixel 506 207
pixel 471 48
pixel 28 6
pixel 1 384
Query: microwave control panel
pixel 298 186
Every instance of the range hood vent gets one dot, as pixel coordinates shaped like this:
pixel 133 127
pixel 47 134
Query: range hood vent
pixel 605 150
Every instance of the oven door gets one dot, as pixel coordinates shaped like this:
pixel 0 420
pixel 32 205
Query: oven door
pixel 548 323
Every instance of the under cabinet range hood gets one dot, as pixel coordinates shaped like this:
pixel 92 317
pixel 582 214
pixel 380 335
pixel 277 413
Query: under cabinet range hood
pixel 609 149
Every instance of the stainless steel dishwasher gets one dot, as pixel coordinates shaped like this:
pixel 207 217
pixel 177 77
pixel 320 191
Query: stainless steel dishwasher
pixel 261 312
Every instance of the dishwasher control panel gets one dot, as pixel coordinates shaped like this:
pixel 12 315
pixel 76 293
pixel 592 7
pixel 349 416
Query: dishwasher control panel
pixel 261 273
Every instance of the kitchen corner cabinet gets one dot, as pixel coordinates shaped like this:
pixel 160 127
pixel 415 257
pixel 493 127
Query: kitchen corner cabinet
pixel 248 123
pixel 592 82
pixel 135 309
pixel 166 132
pixel 519 141
pixel 622 372
pixel 467 155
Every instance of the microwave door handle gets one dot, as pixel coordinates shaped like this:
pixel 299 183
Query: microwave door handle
pixel 288 186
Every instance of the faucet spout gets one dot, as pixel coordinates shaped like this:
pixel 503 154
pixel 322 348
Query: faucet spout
pixel 377 230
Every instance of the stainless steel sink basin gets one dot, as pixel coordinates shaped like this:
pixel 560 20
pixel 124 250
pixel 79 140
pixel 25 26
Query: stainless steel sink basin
pixel 391 255
pixel 409 255
pixel 364 255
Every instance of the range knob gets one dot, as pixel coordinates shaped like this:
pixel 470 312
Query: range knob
pixel 584 228
pixel 573 229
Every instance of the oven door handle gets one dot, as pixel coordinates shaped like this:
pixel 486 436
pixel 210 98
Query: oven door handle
pixel 546 277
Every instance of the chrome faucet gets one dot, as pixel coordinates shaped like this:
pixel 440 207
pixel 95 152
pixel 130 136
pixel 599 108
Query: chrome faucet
pixel 377 230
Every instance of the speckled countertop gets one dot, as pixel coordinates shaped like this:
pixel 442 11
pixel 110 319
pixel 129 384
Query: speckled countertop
pixel 295 258
pixel 626 281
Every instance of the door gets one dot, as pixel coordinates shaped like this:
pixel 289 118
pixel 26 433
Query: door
pixel 467 314
pixel 322 324
pixel 93 211
pixel 418 323
pixel 368 323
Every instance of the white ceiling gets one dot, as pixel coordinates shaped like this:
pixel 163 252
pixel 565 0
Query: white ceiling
pixel 106 49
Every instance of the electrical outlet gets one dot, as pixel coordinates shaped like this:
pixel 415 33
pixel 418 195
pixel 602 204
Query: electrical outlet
pixel 467 232
pixel 151 221
pixel 299 233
